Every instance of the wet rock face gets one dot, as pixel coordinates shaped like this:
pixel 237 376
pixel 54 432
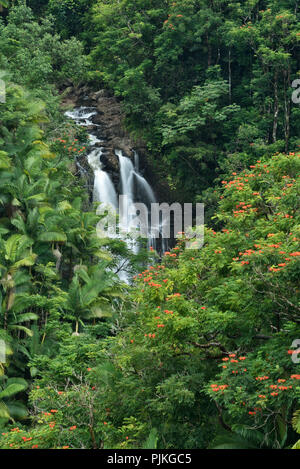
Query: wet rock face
pixel 108 121
pixel 110 118
pixel 108 126
pixel 110 161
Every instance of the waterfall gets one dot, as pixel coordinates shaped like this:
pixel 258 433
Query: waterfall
pixel 132 183
pixel 128 221
pixel 126 176
pixel 104 190
pixel 136 161
pixel 131 180
pixel 136 188
pixel 82 116
pixel 144 189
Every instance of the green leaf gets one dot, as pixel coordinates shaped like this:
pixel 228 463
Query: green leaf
pixel 152 440
pixel 296 445
pixel 4 412
pixel 27 317
pixel 5 161
pixel 17 410
pixel 12 389
pixel 296 421
pixel 53 237
pixel 21 328
pixel 282 429
pixel 20 381
pixel 26 262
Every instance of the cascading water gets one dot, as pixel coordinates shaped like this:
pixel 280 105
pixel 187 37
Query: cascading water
pixel 132 184
pixel 136 161
pixel 82 116
pixel 144 189
pixel 104 190
pixel 135 188
pixel 126 176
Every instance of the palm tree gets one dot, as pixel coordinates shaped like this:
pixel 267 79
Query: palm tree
pixel 14 254
pixel 3 4
pixel 11 409
pixel 245 437
pixel 296 426
pixel 90 295
pixel 42 221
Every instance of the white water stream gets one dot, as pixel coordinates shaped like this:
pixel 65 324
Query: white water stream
pixel 132 183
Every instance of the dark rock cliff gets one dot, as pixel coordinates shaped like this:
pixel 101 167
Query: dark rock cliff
pixel 109 126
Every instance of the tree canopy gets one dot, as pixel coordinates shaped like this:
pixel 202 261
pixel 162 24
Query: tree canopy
pixel 200 349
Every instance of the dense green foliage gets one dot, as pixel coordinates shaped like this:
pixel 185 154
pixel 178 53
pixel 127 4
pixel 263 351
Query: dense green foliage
pixel 202 81
pixel 52 264
pixel 200 350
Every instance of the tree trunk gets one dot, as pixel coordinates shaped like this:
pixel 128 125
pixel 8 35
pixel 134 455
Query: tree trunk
pixel 209 51
pixel 287 109
pixel 276 108
pixel 229 75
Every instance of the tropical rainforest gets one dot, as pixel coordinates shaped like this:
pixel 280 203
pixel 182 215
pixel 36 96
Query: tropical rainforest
pixel 199 349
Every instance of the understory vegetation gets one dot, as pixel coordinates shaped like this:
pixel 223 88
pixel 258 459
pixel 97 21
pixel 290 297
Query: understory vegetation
pixel 199 349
